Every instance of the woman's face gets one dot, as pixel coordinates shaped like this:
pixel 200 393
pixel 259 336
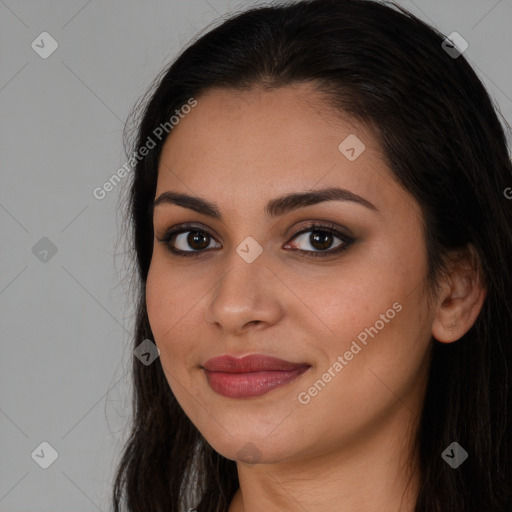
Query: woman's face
pixel 354 324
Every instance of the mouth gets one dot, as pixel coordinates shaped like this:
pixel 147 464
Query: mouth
pixel 250 376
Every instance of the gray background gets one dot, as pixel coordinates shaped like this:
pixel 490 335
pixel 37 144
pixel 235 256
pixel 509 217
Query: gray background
pixel 66 321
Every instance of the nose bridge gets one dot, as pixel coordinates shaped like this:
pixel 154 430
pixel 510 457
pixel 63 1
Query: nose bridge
pixel 241 284
pixel 243 294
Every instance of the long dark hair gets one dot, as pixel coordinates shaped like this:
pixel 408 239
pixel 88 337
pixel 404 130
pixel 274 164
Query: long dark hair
pixel 444 142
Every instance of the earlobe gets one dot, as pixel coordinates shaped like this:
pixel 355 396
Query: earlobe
pixel 444 332
pixel 460 301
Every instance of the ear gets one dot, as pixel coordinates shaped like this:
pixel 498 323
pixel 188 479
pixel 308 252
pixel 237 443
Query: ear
pixel 461 296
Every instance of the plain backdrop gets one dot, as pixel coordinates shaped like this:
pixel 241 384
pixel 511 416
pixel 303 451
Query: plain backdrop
pixel 65 308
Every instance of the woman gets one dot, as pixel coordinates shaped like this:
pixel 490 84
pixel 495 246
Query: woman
pixel 322 243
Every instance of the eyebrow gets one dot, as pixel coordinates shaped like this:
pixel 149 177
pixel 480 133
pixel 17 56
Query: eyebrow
pixel 274 208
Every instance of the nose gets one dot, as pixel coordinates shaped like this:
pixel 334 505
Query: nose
pixel 246 295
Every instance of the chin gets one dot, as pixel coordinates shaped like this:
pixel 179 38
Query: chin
pixel 253 447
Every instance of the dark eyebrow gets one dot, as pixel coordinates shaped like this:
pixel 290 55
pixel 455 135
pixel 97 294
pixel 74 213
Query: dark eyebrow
pixel 274 208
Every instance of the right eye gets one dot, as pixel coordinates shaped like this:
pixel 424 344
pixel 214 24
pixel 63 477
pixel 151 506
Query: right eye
pixel 187 236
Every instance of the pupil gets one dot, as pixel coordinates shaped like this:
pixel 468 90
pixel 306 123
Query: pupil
pixel 195 237
pixel 321 238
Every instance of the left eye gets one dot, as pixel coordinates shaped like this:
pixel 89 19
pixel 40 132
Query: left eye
pixel 319 240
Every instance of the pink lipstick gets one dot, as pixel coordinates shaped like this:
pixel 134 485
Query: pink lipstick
pixel 250 376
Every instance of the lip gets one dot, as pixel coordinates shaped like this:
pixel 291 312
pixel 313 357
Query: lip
pixel 251 375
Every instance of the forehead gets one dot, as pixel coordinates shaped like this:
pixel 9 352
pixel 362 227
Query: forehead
pixel 261 143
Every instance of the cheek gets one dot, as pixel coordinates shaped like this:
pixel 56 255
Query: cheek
pixel 367 285
pixel 173 307
pixel 158 300
pixel 386 374
pixel 167 299
pixel 163 309
pixel 378 323
pixel 348 304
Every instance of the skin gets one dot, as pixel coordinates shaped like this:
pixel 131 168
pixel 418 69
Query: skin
pixel 350 448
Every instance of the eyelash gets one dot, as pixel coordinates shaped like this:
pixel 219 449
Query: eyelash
pixel 323 228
